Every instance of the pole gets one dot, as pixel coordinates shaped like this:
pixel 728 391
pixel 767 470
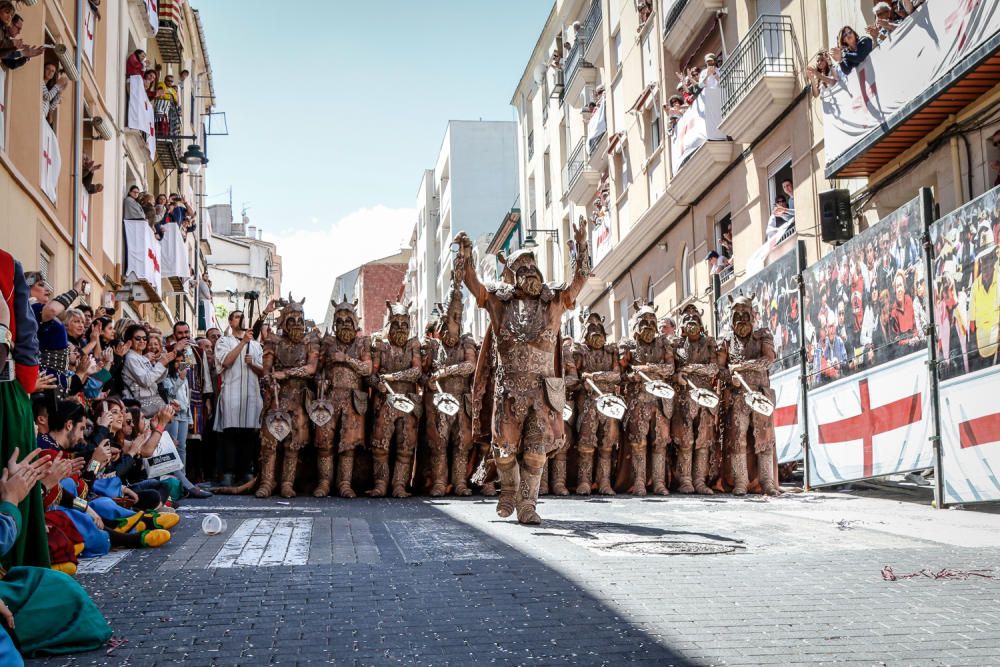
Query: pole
pixel 927 213
pixel 803 364
pixel 77 140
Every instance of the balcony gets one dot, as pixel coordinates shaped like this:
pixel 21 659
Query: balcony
pixel 144 15
pixel 579 178
pixel 684 21
pixel 598 158
pixel 580 71
pixel 726 274
pixel 939 62
pixel 700 170
pixel 592 51
pixel 758 80
pixel 167 126
pixel 169 37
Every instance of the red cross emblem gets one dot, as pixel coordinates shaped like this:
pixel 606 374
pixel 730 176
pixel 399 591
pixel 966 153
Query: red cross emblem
pixel 872 422
pixel 156 262
pixel 979 431
pixel 961 17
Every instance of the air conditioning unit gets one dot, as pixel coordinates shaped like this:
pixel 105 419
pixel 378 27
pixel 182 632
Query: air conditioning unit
pixel 101 129
pixel 65 57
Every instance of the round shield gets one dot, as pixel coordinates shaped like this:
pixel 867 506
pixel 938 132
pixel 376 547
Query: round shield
pixel 320 412
pixel 759 403
pixel 446 403
pixel 660 389
pixel 401 403
pixel 279 424
pixel 567 413
pixel 611 406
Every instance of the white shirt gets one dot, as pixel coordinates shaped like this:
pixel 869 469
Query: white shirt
pixel 240 402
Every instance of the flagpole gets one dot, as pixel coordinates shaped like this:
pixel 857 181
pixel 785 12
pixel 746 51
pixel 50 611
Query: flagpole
pixel 800 250
pixel 930 330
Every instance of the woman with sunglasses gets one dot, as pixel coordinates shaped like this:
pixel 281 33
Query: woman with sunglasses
pixel 140 375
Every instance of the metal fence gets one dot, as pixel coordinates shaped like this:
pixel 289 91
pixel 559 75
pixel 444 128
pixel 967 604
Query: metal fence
pixel 766 50
pixel 575 165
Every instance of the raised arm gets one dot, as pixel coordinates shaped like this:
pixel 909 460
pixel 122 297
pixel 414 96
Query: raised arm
pixel 581 266
pixel 465 268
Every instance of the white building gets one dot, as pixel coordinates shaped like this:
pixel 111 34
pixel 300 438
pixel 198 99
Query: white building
pixel 240 263
pixel 472 184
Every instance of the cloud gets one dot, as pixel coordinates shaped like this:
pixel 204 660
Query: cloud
pixel 311 259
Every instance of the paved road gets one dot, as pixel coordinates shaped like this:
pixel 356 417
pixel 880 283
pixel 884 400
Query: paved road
pixel 675 581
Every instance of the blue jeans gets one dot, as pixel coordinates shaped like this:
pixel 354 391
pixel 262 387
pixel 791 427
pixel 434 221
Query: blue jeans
pixel 178 430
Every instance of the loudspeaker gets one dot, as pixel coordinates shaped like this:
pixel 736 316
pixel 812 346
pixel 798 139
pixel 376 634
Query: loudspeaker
pixel 836 221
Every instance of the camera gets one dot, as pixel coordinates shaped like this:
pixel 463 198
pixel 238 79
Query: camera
pixel 252 295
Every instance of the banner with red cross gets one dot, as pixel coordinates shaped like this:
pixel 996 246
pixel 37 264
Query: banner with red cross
pixel 970 437
pixel 787 415
pixel 873 423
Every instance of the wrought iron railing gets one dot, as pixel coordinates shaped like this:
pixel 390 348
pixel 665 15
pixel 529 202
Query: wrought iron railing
pixel 766 50
pixel 575 164
pixel 592 24
pixel 167 128
pixel 789 233
pixel 588 30
pixel 726 273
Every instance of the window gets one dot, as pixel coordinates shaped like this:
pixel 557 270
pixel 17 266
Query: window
pixel 686 288
pixel 619 106
pixel 724 235
pixel 624 175
pixel 623 314
pixel 649 68
pixel 654 128
pixel 45 262
pixel 618 49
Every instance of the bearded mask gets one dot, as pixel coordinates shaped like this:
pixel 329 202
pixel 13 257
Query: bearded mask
pixel 399 323
pixel 646 329
pixel 691 326
pixel 294 327
pixel 741 319
pixel 527 278
pixel 594 334
pixel 344 328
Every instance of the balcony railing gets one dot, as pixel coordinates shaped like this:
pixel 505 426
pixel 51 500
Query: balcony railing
pixel 767 49
pixel 592 24
pixel 789 233
pixel 575 165
pixel 726 273
pixel 167 128
pixel 168 36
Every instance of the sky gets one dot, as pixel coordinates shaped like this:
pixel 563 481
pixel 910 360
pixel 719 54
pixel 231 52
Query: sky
pixel 335 108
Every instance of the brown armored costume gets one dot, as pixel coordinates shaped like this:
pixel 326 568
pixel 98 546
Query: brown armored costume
pixel 345 363
pixel 556 466
pixel 290 361
pixel 450 358
pixel 597 360
pixel 750 353
pixel 396 360
pixel 521 359
pixel 647 424
pixel 697 361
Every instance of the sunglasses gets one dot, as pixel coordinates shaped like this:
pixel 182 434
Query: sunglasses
pixel 139 339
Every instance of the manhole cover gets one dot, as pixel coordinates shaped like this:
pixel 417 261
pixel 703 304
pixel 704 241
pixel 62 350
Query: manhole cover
pixel 669 548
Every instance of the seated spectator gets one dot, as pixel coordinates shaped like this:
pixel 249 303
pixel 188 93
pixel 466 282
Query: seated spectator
pixel 884 23
pixel 822 74
pixel 850 50
pixel 716 262
pixel 16 53
pixel 781 215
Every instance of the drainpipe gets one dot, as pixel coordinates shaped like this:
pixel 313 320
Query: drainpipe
pixel 77 140
pixel 956 172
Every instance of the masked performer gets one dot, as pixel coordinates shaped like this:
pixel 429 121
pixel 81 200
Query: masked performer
pixel 346 361
pixel 396 361
pixel 697 363
pixel 647 424
pixel 555 467
pixel 452 361
pixel 749 353
pixel 519 388
pixel 290 361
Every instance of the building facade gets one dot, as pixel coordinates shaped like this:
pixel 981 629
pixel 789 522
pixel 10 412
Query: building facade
pixel 377 282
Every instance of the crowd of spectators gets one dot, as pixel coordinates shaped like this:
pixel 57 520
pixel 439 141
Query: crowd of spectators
pixel 160 211
pixel 865 303
pixel 966 296
pixel 691 82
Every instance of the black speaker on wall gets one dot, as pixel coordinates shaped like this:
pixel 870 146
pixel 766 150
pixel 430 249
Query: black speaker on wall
pixel 836 221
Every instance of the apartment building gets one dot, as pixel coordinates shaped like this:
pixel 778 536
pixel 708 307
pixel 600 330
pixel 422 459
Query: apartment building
pixel 47 217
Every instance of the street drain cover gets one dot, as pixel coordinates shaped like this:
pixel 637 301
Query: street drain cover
pixel 670 548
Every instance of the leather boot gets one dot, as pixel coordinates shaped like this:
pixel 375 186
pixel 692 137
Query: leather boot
pixel 324 464
pixel 345 470
pixel 638 471
pixel 585 470
pixel 439 471
pixel 380 472
pixel 559 477
pixel 510 481
pixel 684 483
pixel 489 488
pixel 459 468
pixel 527 496
pixel 267 466
pixel 543 486
pixel 288 471
pixel 604 473
pixel 401 474
pixel 659 472
pixel 701 471
pixel 738 461
pixel 765 473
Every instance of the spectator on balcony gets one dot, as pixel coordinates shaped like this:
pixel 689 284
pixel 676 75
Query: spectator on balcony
pixel 822 74
pixel 726 243
pixel 151 84
pixel 54 83
pixel 645 9
pixel 781 215
pixel 132 209
pixel 149 214
pixel 788 187
pixel 555 60
pixel 135 64
pixel 851 50
pixel 89 170
pixel 167 90
pixel 709 76
pixel 716 262
pixel 884 23
pixel 675 109
pixel 16 53
pixel 901 8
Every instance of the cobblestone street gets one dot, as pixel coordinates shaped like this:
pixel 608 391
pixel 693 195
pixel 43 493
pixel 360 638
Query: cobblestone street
pixel 659 581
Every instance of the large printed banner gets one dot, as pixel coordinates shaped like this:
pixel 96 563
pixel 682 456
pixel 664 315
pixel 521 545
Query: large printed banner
pixel 865 309
pixel 921 51
pixel 776 307
pixel 51 162
pixel 876 422
pixel 142 254
pixel 602 238
pixel 967 318
pixel 700 123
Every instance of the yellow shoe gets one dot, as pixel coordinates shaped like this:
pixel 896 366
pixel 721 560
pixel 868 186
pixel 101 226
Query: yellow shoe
pixel 154 538
pixel 140 527
pixel 66 568
pixel 128 523
pixel 78 548
pixel 166 521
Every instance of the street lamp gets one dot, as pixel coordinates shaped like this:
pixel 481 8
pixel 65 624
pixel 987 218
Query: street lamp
pixel 529 242
pixel 194 158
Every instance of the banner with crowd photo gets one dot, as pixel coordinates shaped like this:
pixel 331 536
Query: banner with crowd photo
pixel 602 238
pixel 142 254
pixel 140 112
pixel 865 310
pixel 700 123
pixel 876 95
pixel 776 307
pixel 967 319
pixel 51 162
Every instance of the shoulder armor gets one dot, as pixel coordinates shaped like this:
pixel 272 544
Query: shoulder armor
pixel 611 348
pixel 763 335
pixel 467 340
pixel 502 291
pixel 551 291
pixel 627 344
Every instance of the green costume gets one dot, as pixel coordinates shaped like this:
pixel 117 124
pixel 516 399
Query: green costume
pixel 17 430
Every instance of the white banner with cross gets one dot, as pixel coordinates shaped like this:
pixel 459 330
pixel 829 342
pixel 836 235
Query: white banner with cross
pixel 970 437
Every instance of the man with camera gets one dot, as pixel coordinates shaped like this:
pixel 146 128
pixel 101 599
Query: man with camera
pixel 240 362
